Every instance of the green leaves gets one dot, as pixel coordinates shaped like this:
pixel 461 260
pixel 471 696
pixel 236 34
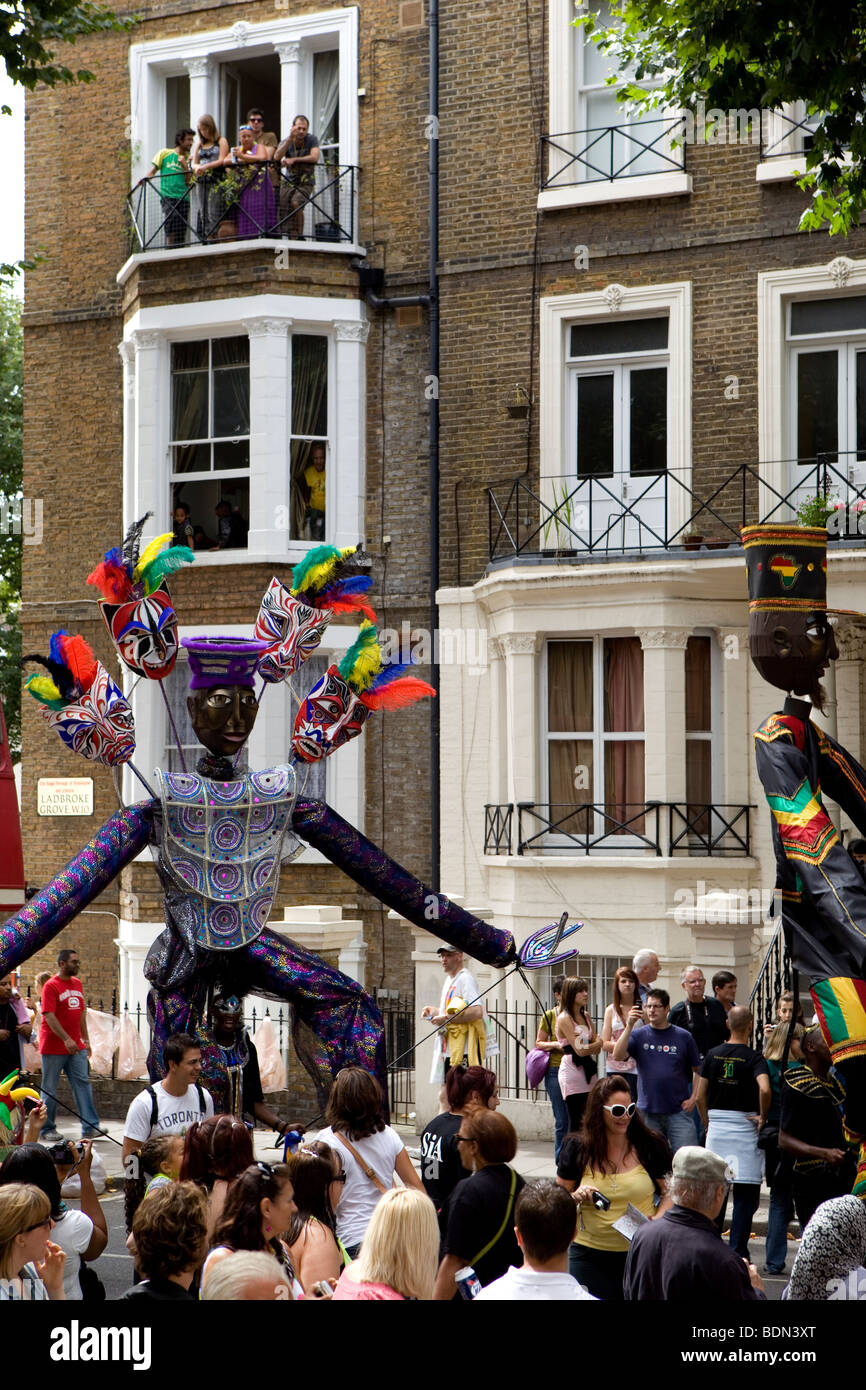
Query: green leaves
pixel 10 508
pixel 30 33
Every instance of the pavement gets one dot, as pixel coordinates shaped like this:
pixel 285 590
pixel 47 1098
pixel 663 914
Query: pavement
pixel 534 1159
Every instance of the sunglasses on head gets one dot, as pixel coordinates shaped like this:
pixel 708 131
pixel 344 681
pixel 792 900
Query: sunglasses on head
pixel 619 1110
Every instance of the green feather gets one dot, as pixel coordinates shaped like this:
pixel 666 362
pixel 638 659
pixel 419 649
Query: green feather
pixel 165 564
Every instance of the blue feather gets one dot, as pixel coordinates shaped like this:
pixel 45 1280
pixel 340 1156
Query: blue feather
pixel 54 652
pixel 390 674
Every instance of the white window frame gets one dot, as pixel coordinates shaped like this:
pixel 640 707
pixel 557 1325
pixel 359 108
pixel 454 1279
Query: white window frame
pixel 562 104
pixel 269 320
pixel 212 475
pixel 775 291
pixel 270 741
pixel 598 736
pixel 619 365
pixel 557 314
pixel 786 164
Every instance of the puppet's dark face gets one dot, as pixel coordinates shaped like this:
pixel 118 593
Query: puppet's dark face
pixel 145 633
pixel 792 649
pixel 330 716
pixel 99 725
pixel 223 717
pixel 292 630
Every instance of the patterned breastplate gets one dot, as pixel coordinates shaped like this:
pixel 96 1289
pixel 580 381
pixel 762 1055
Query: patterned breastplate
pixel 222 845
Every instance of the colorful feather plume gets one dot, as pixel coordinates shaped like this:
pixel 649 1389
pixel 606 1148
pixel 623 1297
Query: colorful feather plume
pixel 125 575
pixel 72 668
pixel 379 686
pixel 331 578
pixel 397 694
pixel 363 660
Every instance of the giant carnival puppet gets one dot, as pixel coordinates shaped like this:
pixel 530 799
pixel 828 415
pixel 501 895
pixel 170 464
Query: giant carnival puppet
pixel 219 837
pixel 819 884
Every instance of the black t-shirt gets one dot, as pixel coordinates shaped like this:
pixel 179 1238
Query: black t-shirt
pixel 252 1079
pixel 441 1169
pixel 706 1021
pixel 10 1053
pixel 730 1072
pixel 475 1212
pixel 812 1110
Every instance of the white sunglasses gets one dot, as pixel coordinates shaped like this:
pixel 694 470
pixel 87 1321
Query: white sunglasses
pixel 619 1110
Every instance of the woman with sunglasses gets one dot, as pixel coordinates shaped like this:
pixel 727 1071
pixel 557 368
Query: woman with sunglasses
pixel 580 1046
pixel 318 1178
pixel 619 1157
pixel 31 1266
pixel 625 997
pixel 257 1215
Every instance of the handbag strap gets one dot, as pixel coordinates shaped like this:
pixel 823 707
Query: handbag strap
pixel 365 1167
pixel 490 1244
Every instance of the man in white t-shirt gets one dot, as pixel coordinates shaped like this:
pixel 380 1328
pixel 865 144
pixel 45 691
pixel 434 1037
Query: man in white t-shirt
pixel 172 1105
pixel 460 983
pixel 545 1225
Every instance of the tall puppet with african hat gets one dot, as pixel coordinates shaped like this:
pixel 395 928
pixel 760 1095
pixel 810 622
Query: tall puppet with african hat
pixel 220 838
pixel 819 886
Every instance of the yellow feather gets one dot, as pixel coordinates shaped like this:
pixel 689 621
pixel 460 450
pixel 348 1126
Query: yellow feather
pixel 43 688
pixel 319 574
pixel 150 553
pixel 21 1092
pixel 369 662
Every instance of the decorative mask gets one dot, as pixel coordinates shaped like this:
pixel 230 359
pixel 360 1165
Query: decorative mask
pixel 292 630
pixel 330 716
pixel 99 725
pixel 144 631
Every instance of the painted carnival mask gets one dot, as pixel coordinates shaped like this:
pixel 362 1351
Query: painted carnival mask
pixel 330 716
pixel 99 725
pixel 144 630
pixel 292 630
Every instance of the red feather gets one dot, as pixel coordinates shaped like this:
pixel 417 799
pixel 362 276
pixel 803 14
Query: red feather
pixel 112 581
pixel 398 694
pixel 351 603
pixel 80 660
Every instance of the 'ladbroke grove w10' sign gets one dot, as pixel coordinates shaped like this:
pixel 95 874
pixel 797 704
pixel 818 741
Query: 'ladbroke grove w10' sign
pixel 64 796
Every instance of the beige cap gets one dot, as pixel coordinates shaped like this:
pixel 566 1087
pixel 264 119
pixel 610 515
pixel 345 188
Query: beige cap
pixel 700 1165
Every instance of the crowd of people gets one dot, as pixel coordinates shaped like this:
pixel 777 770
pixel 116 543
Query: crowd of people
pixel 211 191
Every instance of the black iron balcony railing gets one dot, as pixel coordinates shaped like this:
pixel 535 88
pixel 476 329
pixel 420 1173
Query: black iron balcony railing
pixel 244 202
pixel 632 828
pixel 774 977
pixel 792 138
pixel 613 152
pixel 627 513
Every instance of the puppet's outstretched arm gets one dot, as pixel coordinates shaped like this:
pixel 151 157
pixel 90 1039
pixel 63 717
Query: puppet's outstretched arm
pixel 320 826
pixel 118 841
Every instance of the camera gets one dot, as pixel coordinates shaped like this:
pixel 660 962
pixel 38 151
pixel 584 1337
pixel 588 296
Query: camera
pixel 600 1202
pixel 65 1153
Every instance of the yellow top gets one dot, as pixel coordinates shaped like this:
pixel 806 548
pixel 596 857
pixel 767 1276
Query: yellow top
pixel 315 480
pixel 635 1186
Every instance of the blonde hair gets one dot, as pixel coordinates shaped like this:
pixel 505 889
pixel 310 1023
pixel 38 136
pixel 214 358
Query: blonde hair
pixel 228 1278
pixel 21 1206
pixel 401 1246
pixel 208 124
pixel 775 1043
pixel 42 979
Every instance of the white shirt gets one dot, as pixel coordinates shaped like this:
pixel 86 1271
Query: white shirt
pixel 72 1233
pixel 175 1114
pixel 530 1285
pixel 359 1196
pixel 463 986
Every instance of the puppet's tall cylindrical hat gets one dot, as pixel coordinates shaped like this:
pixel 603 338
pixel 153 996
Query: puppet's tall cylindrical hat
pixel 787 567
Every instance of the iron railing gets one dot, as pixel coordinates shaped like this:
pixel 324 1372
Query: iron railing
pixel 607 153
pixel 788 144
pixel 592 515
pixel 774 977
pixel 399 1021
pixel 692 828
pixel 241 203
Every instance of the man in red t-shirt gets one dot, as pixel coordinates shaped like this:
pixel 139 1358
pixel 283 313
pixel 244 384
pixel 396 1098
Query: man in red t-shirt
pixel 64 1046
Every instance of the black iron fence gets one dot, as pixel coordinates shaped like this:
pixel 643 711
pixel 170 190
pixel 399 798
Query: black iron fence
pixel 792 138
pixel 693 828
pixel 774 977
pixel 607 153
pixel 241 203
pixel 621 512
pixel 399 1020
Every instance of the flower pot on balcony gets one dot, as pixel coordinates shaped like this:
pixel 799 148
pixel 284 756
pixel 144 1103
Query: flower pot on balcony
pixel 716 543
pixel 692 541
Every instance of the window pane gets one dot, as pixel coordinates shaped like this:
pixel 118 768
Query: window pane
pixel 699 781
pixel 569 687
pixel 188 357
pixel 624 787
pixel 231 352
pixel 861 406
pixel 189 406
pixel 176 107
pixel 308 484
pixel 597 66
pixel 191 458
pixel 570 779
pixel 698 719
pixel 231 405
pixel 595 426
pixel 231 531
pixel 648 420
pixel 828 315
pixel 630 335
pixel 623 685
pixel 201 498
pixel 230 455
pixel 309 385
pixel 817 403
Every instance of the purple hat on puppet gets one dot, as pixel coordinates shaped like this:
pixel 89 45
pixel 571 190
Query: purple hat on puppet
pixel 217 661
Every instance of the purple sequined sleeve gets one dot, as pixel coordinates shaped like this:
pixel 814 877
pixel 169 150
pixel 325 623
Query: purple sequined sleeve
pixel 371 868
pixel 118 841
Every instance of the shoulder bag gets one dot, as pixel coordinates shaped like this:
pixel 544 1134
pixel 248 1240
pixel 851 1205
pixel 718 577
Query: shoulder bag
pixel 365 1167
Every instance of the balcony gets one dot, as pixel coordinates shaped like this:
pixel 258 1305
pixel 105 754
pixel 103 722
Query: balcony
pixel 653 827
pixel 643 159
pixel 240 207
pixel 625 514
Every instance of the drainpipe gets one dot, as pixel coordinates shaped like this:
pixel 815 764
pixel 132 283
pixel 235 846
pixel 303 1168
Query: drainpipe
pixel 371 280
